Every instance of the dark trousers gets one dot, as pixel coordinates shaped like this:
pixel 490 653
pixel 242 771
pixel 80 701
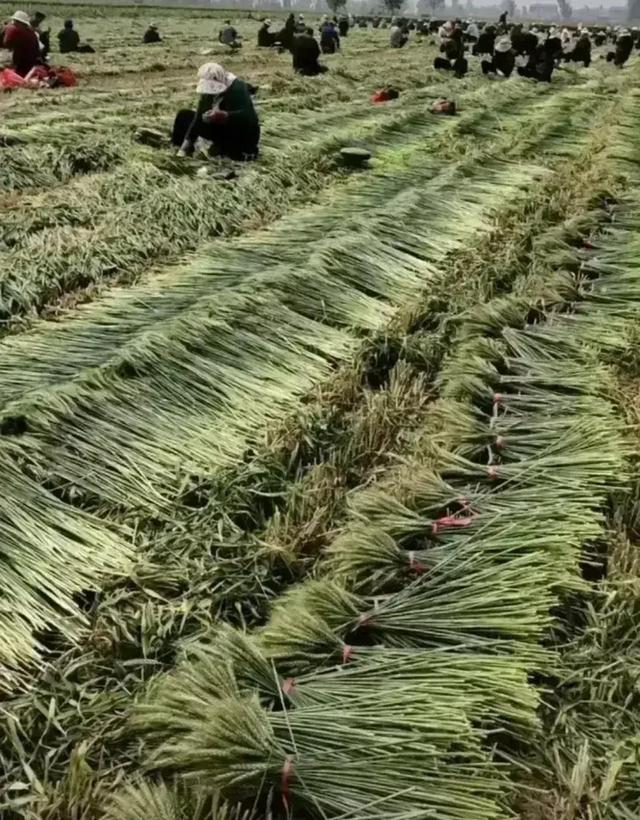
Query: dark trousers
pixel 227 140
pixel 459 66
pixel 493 66
pixel 542 74
pixel 311 70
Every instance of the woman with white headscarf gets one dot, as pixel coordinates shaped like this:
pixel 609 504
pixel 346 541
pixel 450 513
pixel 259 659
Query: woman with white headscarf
pixel 503 60
pixel 225 122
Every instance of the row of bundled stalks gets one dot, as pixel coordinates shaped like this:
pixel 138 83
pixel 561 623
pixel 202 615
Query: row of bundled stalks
pixel 404 681
pixel 115 410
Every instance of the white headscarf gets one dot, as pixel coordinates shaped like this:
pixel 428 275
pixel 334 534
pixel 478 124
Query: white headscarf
pixel 444 32
pixel 503 43
pixel 213 79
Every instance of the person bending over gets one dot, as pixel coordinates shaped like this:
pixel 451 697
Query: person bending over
pixel 582 50
pixel 152 35
pixel 503 60
pixel 329 39
pixel 624 44
pixel 225 123
pixel 454 59
pixel 543 61
pixel 229 36
pixel 265 38
pixel 398 36
pixel 305 55
pixel 486 42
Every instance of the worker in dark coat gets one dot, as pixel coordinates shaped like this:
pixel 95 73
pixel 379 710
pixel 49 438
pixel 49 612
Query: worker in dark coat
pixel 329 39
pixel 454 59
pixel 582 50
pixel 343 26
pixel 541 64
pixel 305 55
pixel 152 35
pixel 286 36
pixel 624 44
pixel 523 42
pixel 503 59
pixel 43 35
pixel 266 39
pixel 69 40
pixel 225 122
pixel 485 42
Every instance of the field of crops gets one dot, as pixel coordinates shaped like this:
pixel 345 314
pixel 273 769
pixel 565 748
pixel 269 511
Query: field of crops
pixel 319 487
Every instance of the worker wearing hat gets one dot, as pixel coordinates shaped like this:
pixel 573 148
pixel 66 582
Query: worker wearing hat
pixel 266 38
pixel 152 35
pixel 22 41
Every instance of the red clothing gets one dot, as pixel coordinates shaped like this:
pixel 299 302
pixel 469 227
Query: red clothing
pixel 24 45
pixel 380 96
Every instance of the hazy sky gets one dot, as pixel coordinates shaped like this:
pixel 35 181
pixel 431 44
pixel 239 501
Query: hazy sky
pixel 576 4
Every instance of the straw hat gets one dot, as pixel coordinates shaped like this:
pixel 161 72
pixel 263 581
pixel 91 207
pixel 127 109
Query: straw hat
pixel 21 17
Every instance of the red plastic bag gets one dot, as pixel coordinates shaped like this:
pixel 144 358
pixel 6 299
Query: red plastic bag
pixel 10 80
pixel 384 95
pixel 39 77
pixel 380 96
pixel 65 76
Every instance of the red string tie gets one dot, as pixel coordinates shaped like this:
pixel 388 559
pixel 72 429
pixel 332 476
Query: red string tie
pixel 453 521
pixel 347 652
pixel 415 565
pixel 288 686
pixel 287 769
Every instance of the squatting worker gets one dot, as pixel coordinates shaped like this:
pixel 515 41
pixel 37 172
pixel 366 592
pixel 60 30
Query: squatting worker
pixel 22 41
pixel 305 55
pixel 266 38
pixel 69 40
pixel 225 122
pixel 151 35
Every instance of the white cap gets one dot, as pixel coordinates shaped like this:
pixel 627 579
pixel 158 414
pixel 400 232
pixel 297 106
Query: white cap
pixel 21 17
pixel 503 43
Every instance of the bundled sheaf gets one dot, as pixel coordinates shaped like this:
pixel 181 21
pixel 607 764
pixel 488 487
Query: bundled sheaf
pixel 465 569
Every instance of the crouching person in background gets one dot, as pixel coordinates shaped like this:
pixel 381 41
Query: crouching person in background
pixel 225 122
pixel 69 40
pixel 454 59
pixel 305 55
pixel 503 60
